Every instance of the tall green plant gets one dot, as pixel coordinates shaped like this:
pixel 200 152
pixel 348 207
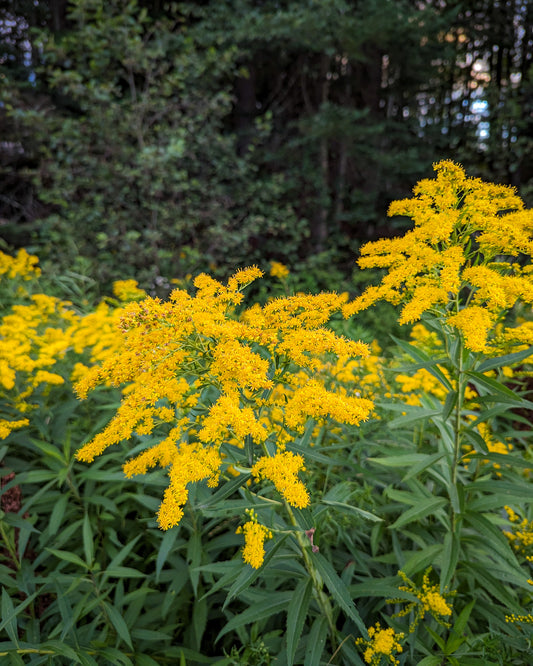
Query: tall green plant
pixel 462 269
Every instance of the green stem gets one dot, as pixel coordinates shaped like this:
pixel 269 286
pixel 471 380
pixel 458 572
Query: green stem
pixel 457 420
pixel 318 584
pixel 10 545
pixel 457 430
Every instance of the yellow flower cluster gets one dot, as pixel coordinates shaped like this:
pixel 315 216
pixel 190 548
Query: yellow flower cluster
pixel 278 270
pixel 461 259
pixel 428 600
pixel 521 619
pixel 282 469
pixel 7 426
pixel 24 265
pixel 521 536
pixel 128 290
pixel 37 333
pixel 368 372
pixel 208 379
pixel 96 334
pixel 32 338
pixel 255 536
pixel 382 643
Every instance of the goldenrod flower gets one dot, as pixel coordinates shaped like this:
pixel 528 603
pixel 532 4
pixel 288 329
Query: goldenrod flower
pixel 460 261
pixel 24 265
pixel 521 534
pixel 429 599
pixel 278 270
pixel 127 290
pixel 383 643
pixel 255 536
pixel 282 469
pixel 519 619
pixel 208 378
pixel 6 427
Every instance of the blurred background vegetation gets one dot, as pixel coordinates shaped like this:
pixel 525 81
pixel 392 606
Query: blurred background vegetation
pixel 158 139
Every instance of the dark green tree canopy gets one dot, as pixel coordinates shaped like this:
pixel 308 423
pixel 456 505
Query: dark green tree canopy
pixel 155 139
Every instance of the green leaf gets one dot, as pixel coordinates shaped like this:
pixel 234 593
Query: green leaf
pixel 124 552
pixel 338 589
pixel 235 507
pixel 449 404
pixel 9 617
pixel 68 557
pixel 248 575
pixel 353 509
pixel 296 614
pixel 430 661
pixel 227 489
pixel 124 572
pixel 421 559
pixel 428 461
pixel 450 557
pixel 270 605
pixel 510 459
pixel 305 439
pixel 506 490
pixel 438 639
pixel 9 614
pixel 56 517
pixel 492 585
pixel 88 540
pixel 199 620
pixel 508 359
pixel 61 648
pixel 310 453
pixel 403 460
pixel 413 414
pixel 316 642
pixel 150 635
pixel 166 546
pixel 231 573
pixel 423 508
pixel 85 659
pixel 459 627
pixel 194 557
pixel 37 476
pixel 65 610
pixel 492 385
pixel 493 537
pixel 115 656
pixel 145 660
pixel 118 623
pixel 17 521
pixel 425 361
pixel 386 588
pixel 49 450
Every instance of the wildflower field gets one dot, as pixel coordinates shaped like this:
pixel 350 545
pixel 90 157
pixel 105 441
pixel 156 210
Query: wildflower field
pixel 213 479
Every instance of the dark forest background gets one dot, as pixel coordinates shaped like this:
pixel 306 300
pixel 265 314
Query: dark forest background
pixel 156 139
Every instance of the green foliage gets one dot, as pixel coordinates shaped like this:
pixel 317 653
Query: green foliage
pixel 154 140
pixel 136 167
pixel 87 577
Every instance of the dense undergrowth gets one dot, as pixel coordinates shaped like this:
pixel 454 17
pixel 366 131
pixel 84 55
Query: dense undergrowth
pixel 263 487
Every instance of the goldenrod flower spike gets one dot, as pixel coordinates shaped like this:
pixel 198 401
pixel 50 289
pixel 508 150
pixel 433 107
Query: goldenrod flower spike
pixel 382 643
pixel 460 259
pixel 24 265
pixel 429 599
pixel 255 536
pixel 128 290
pixel 204 376
pixel 278 270
pixel 282 469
